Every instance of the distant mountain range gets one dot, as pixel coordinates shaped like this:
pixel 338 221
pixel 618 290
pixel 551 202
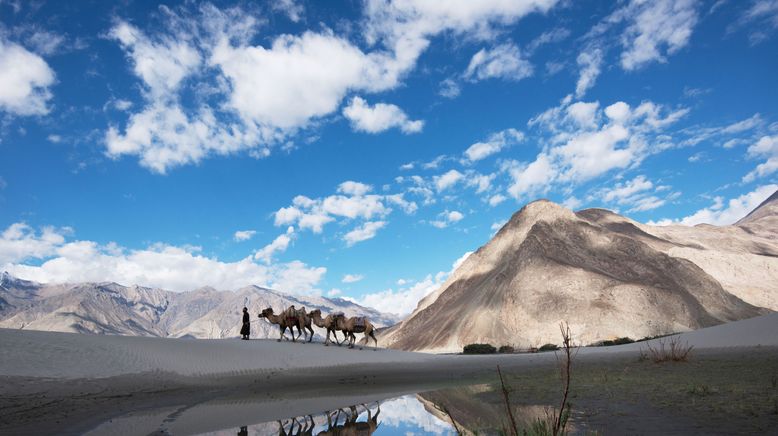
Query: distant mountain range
pixel 110 308
pixel 606 275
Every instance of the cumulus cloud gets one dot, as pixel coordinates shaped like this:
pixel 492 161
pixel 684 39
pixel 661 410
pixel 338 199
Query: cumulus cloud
pixel 56 260
pixel 279 245
pixel 657 28
pixel 636 193
pixel 584 141
pixel 721 213
pixel 448 179
pixel 447 218
pixel 589 62
pixel 766 147
pixel 244 235
pixel 402 301
pixel 501 62
pixel 352 278
pixel 496 143
pixel 379 117
pixel 20 242
pixel 449 88
pixel 25 79
pixel 293 9
pixel 364 232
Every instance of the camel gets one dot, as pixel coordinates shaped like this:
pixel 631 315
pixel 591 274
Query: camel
pixel 328 323
pixel 303 322
pixel 350 425
pixel 359 324
pixel 284 321
pixel 306 430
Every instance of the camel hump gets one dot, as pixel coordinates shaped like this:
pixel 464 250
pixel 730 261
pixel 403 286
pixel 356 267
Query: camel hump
pixel 360 321
pixel 338 315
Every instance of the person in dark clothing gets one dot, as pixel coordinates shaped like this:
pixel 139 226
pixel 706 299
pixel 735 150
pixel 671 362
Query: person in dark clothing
pixel 245 331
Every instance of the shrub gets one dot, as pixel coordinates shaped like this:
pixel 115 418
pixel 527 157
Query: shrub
pixel 479 349
pixel 506 349
pixel 617 341
pixel 672 351
pixel 548 347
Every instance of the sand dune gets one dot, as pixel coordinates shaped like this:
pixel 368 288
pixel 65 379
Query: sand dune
pixel 71 383
pixel 75 356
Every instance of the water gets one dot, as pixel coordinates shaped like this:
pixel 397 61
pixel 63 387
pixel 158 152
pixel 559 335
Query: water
pixel 477 408
pixel 405 415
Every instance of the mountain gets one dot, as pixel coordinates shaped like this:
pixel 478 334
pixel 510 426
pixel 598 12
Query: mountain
pixel 604 274
pixel 110 308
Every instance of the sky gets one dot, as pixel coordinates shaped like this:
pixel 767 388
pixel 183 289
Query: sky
pixel 361 149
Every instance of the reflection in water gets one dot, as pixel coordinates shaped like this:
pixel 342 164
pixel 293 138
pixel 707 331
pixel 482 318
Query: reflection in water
pixel 405 415
pixel 476 409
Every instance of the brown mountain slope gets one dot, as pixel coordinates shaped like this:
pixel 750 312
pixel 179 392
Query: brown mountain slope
pixel 604 274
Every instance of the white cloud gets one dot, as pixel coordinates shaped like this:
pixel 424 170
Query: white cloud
pixel 20 242
pixel 351 187
pixel 496 199
pixel 494 144
pixel 498 225
pixel 447 218
pixel 161 65
pixel 584 141
pixel 379 117
pixel 366 231
pixel 447 180
pixel 159 265
pixel 501 62
pixel 352 278
pixel 279 245
pixel 401 302
pixel 719 215
pixel 761 19
pixel 533 178
pixel 449 88
pixel 622 192
pixel 25 79
pixel 244 235
pixel 654 26
pixel 589 62
pixel 765 147
pixel 291 8
pixel 572 202
pixel 548 37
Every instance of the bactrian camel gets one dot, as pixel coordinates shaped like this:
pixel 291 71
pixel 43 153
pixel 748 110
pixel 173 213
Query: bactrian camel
pixel 327 323
pixel 284 321
pixel 356 324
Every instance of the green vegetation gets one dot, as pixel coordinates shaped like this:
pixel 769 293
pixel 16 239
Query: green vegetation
pixel 479 349
pixel 548 347
pixel 506 349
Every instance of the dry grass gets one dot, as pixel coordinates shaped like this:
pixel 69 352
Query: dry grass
pixel 671 350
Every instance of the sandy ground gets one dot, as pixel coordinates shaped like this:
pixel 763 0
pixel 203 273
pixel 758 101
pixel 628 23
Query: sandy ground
pixel 72 383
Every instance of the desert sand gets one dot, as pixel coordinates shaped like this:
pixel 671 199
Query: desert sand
pixel 73 383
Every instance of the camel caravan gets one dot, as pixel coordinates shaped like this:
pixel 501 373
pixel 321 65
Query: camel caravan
pixel 334 322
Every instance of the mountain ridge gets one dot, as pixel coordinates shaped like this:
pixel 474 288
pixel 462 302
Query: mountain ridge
pixel 603 273
pixel 111 308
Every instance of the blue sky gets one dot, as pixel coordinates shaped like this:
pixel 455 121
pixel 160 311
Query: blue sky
pixel 359 149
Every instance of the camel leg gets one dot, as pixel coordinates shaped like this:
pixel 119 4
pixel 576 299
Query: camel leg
pixel 372 335
pixel 282 333
pixel 310 331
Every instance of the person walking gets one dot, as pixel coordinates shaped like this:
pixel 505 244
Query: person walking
pixel 245 331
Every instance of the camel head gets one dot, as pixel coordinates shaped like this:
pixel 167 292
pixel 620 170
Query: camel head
pixel 266 312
